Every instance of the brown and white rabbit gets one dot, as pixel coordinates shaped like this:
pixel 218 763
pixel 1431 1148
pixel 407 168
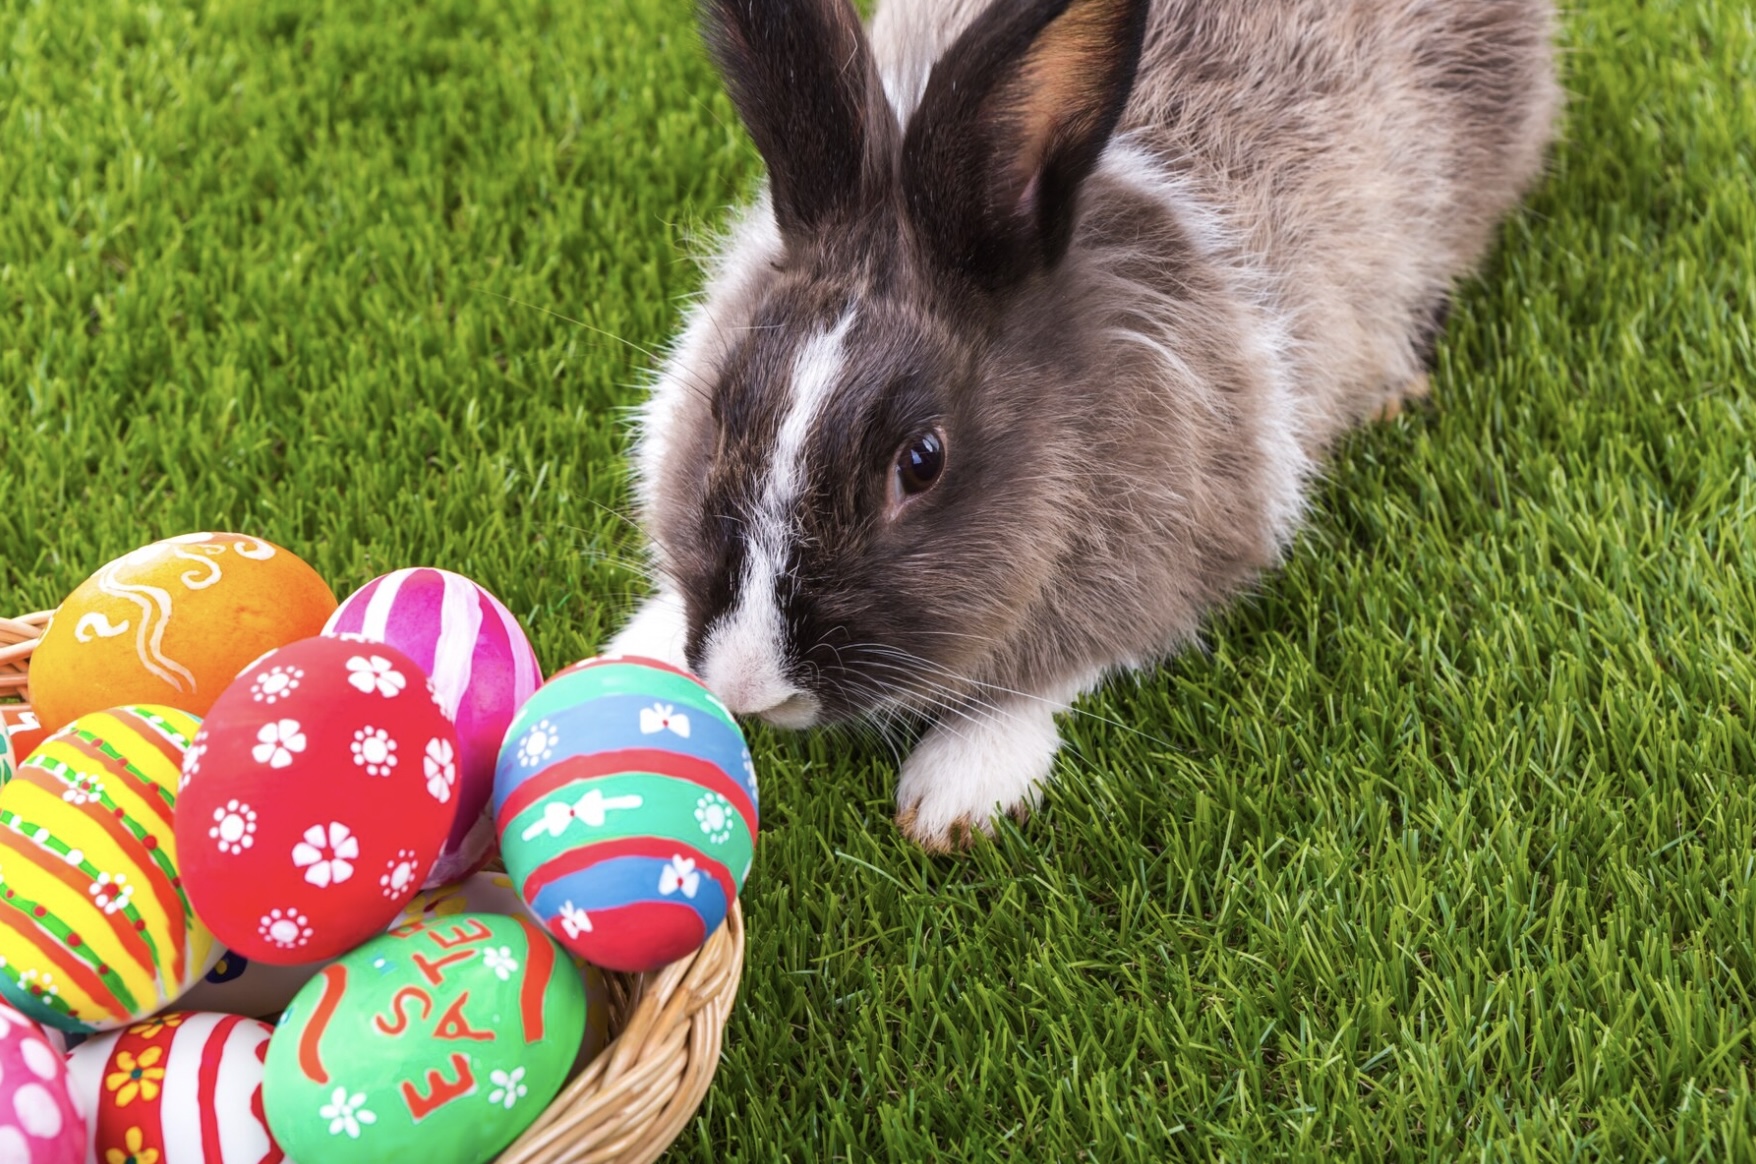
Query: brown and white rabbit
pixel 1025 356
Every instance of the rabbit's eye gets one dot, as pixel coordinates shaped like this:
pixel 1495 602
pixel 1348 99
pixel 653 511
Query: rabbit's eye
pixel 920 463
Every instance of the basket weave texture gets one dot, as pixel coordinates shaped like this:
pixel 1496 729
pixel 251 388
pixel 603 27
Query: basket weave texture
pixel 666 1027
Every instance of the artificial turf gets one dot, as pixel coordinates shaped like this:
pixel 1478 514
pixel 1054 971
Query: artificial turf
pixel 1445 846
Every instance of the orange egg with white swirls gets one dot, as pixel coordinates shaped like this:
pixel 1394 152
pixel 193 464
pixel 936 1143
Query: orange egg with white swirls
pixel 173 623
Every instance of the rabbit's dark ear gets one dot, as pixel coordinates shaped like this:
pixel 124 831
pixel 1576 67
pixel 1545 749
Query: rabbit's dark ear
pixel 802 76
pixel 1014 118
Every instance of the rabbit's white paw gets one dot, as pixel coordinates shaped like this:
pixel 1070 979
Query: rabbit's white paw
pixel 966 771
pixel 659 630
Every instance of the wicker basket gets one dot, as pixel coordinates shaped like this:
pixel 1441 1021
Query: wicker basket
pixel 636 1097
pixel 18 638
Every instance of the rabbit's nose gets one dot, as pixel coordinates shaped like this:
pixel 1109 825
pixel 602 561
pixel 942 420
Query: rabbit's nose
pixel 752 682
pixel 766 696
pixel 794 712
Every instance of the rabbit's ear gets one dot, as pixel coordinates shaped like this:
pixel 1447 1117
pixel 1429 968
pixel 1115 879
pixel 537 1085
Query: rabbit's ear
pixel 802 76
pixel 1014 117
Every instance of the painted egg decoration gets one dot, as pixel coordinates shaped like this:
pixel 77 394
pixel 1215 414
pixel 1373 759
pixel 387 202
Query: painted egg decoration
pixel 20 733
pixel 182 1088
pixel 494 893
pixel 241 985
pixel 481 665
pixel 439 1041
pixel 171 623
pixel 39 1123
pixel 625 800
pixel 315 799
pixel 96 929
pixel 8 761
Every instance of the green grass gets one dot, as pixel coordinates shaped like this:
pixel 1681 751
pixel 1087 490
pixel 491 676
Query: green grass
pixel 1446 847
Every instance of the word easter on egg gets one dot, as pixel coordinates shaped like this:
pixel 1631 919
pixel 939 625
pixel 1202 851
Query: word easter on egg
pixel 439 1040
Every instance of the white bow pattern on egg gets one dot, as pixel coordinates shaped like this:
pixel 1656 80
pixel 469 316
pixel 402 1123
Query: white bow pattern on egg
pixel 662 717
pixel 679 874
pixel 574 921
pixel 592 810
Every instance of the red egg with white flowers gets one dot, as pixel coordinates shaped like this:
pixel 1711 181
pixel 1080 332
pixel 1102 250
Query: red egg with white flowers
pixel 315 799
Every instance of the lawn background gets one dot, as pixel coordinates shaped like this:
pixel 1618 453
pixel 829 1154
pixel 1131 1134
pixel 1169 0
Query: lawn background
pixel 1447 846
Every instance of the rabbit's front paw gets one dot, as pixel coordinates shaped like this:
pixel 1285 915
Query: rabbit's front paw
pixel 972 767
pixel 1417 390
pixel 659 630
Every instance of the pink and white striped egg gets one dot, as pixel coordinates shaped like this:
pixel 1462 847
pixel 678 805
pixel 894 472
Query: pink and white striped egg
pixel 482 668
pixel 182 1088
pixel 38 1122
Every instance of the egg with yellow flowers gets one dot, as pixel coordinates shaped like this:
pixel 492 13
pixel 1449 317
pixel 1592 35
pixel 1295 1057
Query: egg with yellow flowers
pixel 95 929
pixel 173 623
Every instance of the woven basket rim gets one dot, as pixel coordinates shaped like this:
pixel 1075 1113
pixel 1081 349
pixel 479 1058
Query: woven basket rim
pixel 666 1026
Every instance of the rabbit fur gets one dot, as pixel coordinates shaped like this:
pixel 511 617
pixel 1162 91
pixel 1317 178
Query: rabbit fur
pixel 1134 264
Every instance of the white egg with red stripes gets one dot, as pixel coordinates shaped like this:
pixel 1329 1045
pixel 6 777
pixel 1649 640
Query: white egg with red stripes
pixel 181 1088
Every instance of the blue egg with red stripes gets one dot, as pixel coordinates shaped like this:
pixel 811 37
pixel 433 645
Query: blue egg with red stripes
pixel 625 802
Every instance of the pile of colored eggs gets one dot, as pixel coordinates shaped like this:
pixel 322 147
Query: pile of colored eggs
pixel 253 801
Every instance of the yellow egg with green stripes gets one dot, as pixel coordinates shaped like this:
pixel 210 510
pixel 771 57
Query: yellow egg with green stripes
pixel 95 929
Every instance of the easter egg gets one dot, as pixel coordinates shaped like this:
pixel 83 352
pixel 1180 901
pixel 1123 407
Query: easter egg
pixel 38 1122
pixel 625 801
pixel 8 762
pixel 95 927
pixel 183 1088
pixel 439 1041
pixel 315 799
pixel 171 623
pixel 20 733
pixel 481 665
pixel 493 893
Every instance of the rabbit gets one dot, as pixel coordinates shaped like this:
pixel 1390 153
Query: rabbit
pixel 1026 355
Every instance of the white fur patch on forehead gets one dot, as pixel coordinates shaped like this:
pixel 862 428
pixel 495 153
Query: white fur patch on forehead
pixel 744 659
pixel 816 371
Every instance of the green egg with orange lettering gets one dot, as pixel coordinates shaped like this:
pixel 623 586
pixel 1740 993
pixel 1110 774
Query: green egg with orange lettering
pixel 440 1041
